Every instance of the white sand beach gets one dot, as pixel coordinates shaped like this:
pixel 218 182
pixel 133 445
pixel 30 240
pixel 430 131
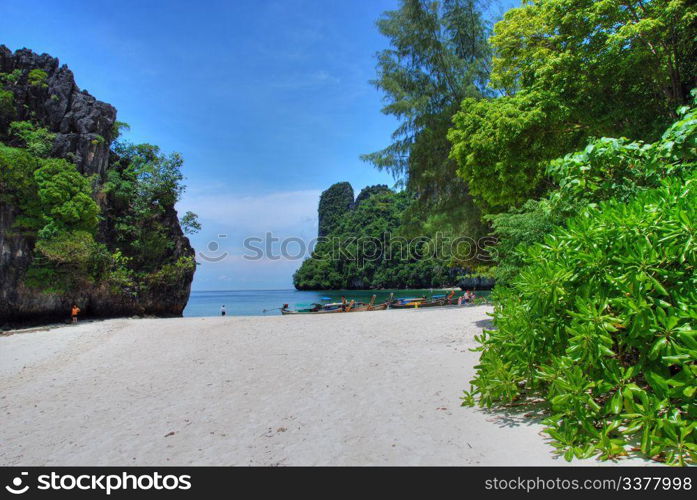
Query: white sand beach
pixel 377 388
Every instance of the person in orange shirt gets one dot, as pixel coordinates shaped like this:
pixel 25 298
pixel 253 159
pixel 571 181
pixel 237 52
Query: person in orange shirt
pixel 74 312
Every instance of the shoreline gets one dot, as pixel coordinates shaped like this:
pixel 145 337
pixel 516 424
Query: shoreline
pixel 344 389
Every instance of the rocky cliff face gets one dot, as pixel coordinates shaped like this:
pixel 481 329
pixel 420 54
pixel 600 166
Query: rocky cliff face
pixel 84 129
pixel 83 125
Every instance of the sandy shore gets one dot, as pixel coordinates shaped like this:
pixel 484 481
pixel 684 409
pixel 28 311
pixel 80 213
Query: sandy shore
pixel 378 388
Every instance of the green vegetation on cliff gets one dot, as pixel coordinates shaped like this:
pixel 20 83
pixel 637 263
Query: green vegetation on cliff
pixel 113 231
pixel 57 209
pixel 365 246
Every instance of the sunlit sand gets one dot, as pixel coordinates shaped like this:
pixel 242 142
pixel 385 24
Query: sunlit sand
pixel 378 388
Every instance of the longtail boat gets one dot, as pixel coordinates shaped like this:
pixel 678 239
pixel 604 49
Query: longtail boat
pixel 340 307
pixel 416 303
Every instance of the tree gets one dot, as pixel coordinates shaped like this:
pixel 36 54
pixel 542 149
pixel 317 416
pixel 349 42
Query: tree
pixel 190 223
pixel 37 140
pixel 621 66
pixel 502 145
pixel 143 185
pixel 570 70
pixel 438 57
pixel 65 199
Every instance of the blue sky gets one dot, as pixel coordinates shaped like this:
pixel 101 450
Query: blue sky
pixel 268 102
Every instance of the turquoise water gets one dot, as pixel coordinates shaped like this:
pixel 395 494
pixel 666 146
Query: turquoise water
pixel 254 302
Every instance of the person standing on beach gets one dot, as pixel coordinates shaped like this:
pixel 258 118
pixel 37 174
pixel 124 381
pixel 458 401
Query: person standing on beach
pixel 222 310
pixel 74 311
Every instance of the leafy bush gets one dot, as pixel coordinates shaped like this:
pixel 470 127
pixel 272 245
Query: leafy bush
pixel 599 323
pixel 37 78
pixel 7 108
pixel 66 261
pixel 619 168
pixel 171 275
pixel 11 78
pixel 607 168
pixel 143 185
pixel 516 231
pixel 190 223
pixel 17 186
pixel 38 141
pixel 64 217
pixel 64 197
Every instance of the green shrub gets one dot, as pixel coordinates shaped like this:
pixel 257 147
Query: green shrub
pixel 98 139
pixel 63 217
pixel 190 223
pixel 37 78
pixel 606 169
pixel 64 198
pixel 619 168
pixel 117 129
pixel 171 275
pixel 17 186
pixel 11 78
pixel 7 107
pixel 38 141
pixel 600 324
pixel 66 261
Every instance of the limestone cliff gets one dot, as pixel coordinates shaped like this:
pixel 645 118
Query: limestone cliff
pixel 333 204
pixel 84 129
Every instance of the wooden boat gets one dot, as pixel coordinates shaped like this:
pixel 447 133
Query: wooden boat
pixel 320 308
pixel 406 302
pixel 339 307
pixel 363 307
pixel 285 311
pixel 419 302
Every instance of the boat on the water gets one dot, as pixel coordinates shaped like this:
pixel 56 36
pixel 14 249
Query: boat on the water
pixel 391 303
pixel 417 302
pixel 285 310
pixel 339 307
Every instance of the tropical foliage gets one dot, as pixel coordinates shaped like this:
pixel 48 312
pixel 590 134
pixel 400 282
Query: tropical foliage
pixel 599 324
pixel 598 318
pixel 579 155
pixel 143 185
pixel 570 70
pixel 606 169
pixel 56 206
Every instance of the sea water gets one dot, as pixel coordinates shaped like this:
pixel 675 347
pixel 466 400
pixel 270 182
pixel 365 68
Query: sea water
pixel 269 302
